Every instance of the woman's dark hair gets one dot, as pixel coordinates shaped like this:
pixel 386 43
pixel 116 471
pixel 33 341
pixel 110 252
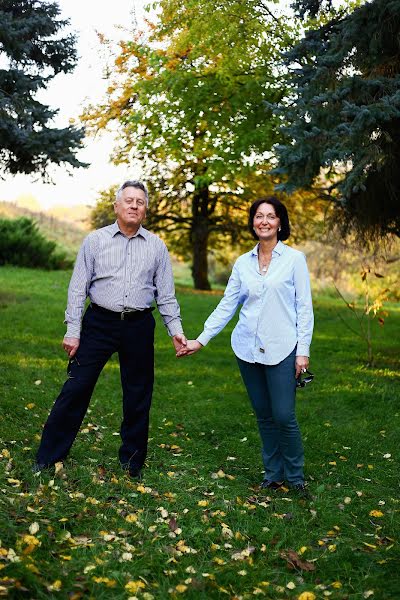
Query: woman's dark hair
pixel 281 212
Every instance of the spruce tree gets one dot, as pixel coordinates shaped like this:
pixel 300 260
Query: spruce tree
pixel 32 52
pixel 342 124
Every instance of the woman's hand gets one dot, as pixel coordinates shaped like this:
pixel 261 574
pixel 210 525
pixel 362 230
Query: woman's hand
pixel 192 346
pixel 301 364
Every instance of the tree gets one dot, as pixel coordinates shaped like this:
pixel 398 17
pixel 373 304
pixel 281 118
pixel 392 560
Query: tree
pixel 190 103
pixel 22 244
pixel 342 121
pixel 32 52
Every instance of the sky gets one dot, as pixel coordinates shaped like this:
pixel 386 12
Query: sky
pixel 70 93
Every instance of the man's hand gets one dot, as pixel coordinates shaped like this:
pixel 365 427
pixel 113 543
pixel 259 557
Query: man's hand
pixel 179 341
pixel 192 346
pixel 301 364
pixel 70 346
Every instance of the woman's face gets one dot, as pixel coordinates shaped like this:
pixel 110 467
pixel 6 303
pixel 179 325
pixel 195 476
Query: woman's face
pixel 266 223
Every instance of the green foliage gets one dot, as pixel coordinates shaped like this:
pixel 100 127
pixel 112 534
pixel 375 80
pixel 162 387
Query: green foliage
pixel 92 530
pixel 372 307
pixel 342 130
pixel 191 106
pixel 68 236
pixel 32 52
pixel 103 213
pixel 22 244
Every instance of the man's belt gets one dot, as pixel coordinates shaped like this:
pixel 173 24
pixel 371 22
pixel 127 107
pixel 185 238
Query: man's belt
pixel 129 314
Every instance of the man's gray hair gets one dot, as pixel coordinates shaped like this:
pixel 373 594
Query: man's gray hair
pixel 136 184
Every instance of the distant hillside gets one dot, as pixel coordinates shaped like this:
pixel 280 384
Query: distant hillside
pixel 68 235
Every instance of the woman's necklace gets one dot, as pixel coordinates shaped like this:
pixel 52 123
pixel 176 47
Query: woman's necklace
pixel 264 262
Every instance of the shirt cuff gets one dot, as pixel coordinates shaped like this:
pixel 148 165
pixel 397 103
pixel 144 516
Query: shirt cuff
pixel 203 338
pixel 303 350
pixel 174 327
pixel 73 331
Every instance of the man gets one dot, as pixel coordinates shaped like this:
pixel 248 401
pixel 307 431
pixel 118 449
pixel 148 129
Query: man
pixel 122 268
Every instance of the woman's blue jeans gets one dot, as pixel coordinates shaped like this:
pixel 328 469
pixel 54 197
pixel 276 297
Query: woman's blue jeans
pixel 272 392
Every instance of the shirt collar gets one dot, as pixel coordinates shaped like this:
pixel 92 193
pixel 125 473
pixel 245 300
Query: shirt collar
pixel 279 248
pixel 141 231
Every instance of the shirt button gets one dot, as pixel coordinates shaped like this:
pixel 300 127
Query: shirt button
pixel 262 350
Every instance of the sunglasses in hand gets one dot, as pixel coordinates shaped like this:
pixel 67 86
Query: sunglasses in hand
pixel 304 378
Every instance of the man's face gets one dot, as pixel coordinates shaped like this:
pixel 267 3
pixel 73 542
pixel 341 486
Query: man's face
pixel 131 208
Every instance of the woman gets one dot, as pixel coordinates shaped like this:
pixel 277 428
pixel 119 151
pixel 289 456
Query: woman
pixel 272 338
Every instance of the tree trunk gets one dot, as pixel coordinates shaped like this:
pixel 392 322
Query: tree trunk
pixel 199 236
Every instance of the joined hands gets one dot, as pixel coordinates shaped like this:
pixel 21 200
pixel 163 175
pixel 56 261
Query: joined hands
pixel 191 347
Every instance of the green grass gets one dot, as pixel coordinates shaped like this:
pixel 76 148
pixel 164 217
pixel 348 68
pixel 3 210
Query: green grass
pixel 198 526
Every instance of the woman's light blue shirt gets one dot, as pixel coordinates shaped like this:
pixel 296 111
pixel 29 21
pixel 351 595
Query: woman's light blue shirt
pixel 276 313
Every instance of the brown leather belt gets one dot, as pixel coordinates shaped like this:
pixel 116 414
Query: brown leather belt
pixel 130 314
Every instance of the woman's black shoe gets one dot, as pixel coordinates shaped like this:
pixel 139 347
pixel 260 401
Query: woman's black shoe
pixel 271 485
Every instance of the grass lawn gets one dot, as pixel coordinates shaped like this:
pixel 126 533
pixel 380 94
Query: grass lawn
pixel 198 526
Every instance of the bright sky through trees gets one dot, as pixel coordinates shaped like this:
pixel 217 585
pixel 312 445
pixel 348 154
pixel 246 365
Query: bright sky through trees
pixel 69 93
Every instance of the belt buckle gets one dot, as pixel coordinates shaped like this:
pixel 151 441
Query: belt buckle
pixel 127 311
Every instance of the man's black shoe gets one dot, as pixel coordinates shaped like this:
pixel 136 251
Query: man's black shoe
pixel 134 472
pixel 270 485
pixel 38 467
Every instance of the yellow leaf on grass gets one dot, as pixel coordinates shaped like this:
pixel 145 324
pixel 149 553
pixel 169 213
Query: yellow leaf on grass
pixel 306 596
pixel 134 586
pixel 202 503
pixel 58 467
pixel 336 584
pixel 131 518
pixel 31 543
pixel 376 513
pixel 181 588
pixel 55 586
pixel 108 582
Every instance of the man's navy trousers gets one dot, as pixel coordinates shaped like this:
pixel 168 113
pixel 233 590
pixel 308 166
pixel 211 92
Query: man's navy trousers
pixel 103 333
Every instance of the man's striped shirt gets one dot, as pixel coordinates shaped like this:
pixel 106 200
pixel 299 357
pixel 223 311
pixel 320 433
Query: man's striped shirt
pixel 118 273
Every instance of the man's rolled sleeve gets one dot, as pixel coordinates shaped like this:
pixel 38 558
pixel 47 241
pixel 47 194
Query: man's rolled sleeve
pixel 166 301
pixel 78 289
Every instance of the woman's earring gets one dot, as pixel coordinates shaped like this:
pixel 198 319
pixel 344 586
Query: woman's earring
pixel 279 228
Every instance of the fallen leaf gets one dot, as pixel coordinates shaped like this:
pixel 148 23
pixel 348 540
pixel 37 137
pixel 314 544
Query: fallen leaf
pixel 55 586
pixel 134 586
pixel 173 524
pixel 34 528
pixel 58 467
pixel 291 585
pixel 107 582
pixel 294 561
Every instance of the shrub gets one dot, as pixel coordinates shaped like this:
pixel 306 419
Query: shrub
pixel 22 244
